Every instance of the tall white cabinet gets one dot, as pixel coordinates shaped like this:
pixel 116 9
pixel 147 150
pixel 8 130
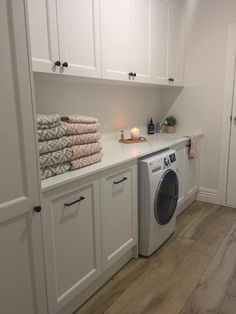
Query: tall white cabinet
pixel 22 288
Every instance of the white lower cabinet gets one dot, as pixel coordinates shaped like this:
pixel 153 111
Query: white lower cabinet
pixel 180 158
pixel 188 171
pixel 73 241
pixel 89 225
pixel 118 212
pixel 191 175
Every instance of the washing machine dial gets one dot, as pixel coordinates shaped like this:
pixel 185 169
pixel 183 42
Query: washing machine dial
pixel 166 162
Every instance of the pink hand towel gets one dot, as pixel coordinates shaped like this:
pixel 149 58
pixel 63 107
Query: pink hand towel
pixel 85 161
pixel 85 150
pixel 76 118
pixel 194 147
pixel 83 138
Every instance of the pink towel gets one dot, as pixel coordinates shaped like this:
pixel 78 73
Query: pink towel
pixel 194 147
pixel 76 118
pixel 85 161
pixel 81 128
pixel 83 138
pixel 85 150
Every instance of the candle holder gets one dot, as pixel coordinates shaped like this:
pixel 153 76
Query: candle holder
pixel 140 139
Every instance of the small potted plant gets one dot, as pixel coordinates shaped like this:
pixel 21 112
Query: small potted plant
pixel 170 123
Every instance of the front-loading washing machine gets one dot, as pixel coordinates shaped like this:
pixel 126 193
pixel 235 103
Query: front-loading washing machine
pixel 158 198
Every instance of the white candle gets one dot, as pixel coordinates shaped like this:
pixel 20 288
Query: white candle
pixel 135 133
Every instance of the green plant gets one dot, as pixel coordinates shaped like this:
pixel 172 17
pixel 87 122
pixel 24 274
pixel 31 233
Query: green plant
pixel 170 121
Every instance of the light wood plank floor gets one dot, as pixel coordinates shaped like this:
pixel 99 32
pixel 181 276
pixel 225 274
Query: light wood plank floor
pixel 194 271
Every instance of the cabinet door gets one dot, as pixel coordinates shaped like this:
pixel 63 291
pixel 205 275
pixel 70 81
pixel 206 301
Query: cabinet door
pixel 160 41
pixel 141 40
pixel 73 242
pixel 191 175
pixel 176 56
pixel 79 37
pixel 180 158
pixel 42 20
pixel 116 39
pixel 22 288
pixel 119 212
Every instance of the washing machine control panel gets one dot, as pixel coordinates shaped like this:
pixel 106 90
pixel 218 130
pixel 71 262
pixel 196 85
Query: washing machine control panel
pixel 168 160
pixel 172 158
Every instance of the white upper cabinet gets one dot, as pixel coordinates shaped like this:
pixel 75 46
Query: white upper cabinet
pixel 115 39
pixel 127 40
pixel 141 40
pixel 42 21
pixel 66 32
pixel 176 55
pixel 79 37
pixel 160 41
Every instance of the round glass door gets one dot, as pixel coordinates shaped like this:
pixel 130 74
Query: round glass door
pixel 166 197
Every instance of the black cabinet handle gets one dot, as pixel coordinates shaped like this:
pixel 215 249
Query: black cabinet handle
pixel 57 63
pixel 171 79
pixel 37 209
pixel 134 74
pixel 122 180
pixel 65 64
pixel 130 75
pixel 72 203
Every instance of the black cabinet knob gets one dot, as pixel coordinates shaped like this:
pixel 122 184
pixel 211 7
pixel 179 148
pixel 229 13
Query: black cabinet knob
pixel 134 74
pixel 171 79
pixel 65 64
pixel 57 63
pixel 37 209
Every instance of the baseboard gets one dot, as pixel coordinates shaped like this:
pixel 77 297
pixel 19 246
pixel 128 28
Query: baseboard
pixel 208 196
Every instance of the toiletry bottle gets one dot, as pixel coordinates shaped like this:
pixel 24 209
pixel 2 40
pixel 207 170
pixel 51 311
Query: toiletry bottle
pixel 151 127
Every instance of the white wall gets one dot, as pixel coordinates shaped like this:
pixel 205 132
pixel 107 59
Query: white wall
pixel 116 106
pixel 206 40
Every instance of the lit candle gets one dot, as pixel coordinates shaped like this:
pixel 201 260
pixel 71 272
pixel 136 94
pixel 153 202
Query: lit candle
pixel 135 133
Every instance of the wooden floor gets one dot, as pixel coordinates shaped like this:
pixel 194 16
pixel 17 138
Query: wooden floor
pixel 194 272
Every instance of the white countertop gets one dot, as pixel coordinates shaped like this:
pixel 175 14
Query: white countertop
pixel 114 154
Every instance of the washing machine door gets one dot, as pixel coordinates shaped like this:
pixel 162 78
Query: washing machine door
pixel 166 197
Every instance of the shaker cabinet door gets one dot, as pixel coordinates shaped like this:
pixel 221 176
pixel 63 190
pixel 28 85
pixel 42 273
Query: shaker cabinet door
pixel 79 37
pixel 160 41
pixel 191 175
pixel 141 40
pixel 73 242
pixel 119 213
pixel 176 55
pixel 22 287
pixel 116 39
pixel 42 20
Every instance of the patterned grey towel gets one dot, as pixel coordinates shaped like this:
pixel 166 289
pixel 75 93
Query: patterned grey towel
pixel 55 158
pixel 54 170
pixel 47 118
pixel 53 145
pixel 53 133
pixel 47 126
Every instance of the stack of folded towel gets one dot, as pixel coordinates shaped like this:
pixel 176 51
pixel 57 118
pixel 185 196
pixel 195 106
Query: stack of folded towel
pixel 55 154
pixel 83 136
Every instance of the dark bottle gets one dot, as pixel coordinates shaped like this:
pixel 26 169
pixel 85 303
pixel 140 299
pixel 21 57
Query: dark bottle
pixel 151 127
